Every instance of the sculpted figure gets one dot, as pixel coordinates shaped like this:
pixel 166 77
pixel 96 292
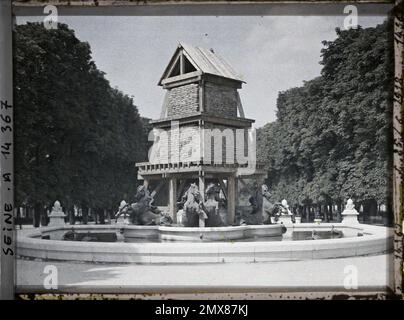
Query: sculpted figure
pixel 192 212
pixel 211 206
pixel 142 212
pixel 254 216
pixel 284 208
pixel 350 205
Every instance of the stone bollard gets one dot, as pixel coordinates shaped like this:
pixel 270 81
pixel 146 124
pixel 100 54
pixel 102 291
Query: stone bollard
pixel 286 215
pixel 350 215
pixel 123 219
pixel 57 216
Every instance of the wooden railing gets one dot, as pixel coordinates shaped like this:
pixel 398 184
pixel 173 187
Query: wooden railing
pixel 147 166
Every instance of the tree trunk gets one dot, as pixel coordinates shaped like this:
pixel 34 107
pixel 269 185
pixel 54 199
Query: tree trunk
pixel 331 211
pixel 325 210
pixel 37 215
pixel 44 217
pixel 339 211
pixel 102 216
pixel 84 212
pixel 95 215
pixel 72 218
pixel 107 214
pixel 373 208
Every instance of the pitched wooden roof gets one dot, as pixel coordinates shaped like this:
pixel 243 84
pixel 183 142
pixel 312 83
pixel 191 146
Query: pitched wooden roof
pixel 205 61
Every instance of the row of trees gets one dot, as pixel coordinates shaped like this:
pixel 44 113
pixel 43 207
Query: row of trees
pixel 331 140
pixel 76 138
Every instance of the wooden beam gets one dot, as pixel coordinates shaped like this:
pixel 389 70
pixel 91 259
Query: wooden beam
pixel 182 63
pixel 231 200
pixel 211 78
pixel 202 187
pixel 181 80
pixel 172 66
pixel 242 182
pixel 163 113
pixel 158 188
pixel 223 187
pixel 236 188
pixel 240 106
pixel 172 198
pixel 190 60
pixel 181 188
pixel 228 122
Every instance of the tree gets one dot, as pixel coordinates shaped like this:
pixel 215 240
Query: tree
pixel 77 139
pixel 330 140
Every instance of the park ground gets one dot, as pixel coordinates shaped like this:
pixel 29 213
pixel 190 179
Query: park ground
pixel 310 275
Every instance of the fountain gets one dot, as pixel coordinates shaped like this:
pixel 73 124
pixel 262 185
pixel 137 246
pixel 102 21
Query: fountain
pixel 159 243
pixel 350 215
pixel 202 103
pixel 192 223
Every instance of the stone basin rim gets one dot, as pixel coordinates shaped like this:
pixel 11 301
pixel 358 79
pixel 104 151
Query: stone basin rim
pixel 378 241
pixel 371 233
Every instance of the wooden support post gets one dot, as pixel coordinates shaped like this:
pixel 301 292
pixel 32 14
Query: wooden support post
pixel 202 192
pixel 158 188
pixel 260 199
pixel 242 182
pixel 202 187
pixel 231 200
pixel 173 198
pixel 163 113
pixel 236 192
pixel 182 63
pixel 202 96
pixel 223 187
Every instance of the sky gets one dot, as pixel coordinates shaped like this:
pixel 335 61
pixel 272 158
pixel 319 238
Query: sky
pixel 272 53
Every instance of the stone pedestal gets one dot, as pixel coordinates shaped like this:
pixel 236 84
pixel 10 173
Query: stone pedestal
pixel 350 215
pixel 317 220
pixel 57 216
pixel 298 220
pixel 285 219
pixel 123 220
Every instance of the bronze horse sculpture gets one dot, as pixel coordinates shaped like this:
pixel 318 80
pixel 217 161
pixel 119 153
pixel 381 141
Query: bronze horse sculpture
pixel 192 212
pixel 196 213
pixel 142 212
pixel 211 206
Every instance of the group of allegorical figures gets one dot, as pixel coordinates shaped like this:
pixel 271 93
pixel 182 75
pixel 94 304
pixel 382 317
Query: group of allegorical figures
pixel 196 212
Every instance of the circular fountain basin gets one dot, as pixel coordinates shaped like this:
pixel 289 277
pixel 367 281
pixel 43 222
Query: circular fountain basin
pixel 217 245
pixel 207 234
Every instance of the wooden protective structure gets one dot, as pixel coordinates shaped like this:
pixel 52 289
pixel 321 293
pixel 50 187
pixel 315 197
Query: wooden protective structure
pixel 202 135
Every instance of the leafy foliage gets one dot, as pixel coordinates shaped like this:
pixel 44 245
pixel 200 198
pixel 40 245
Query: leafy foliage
pixel 77 139
pixel 330 141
